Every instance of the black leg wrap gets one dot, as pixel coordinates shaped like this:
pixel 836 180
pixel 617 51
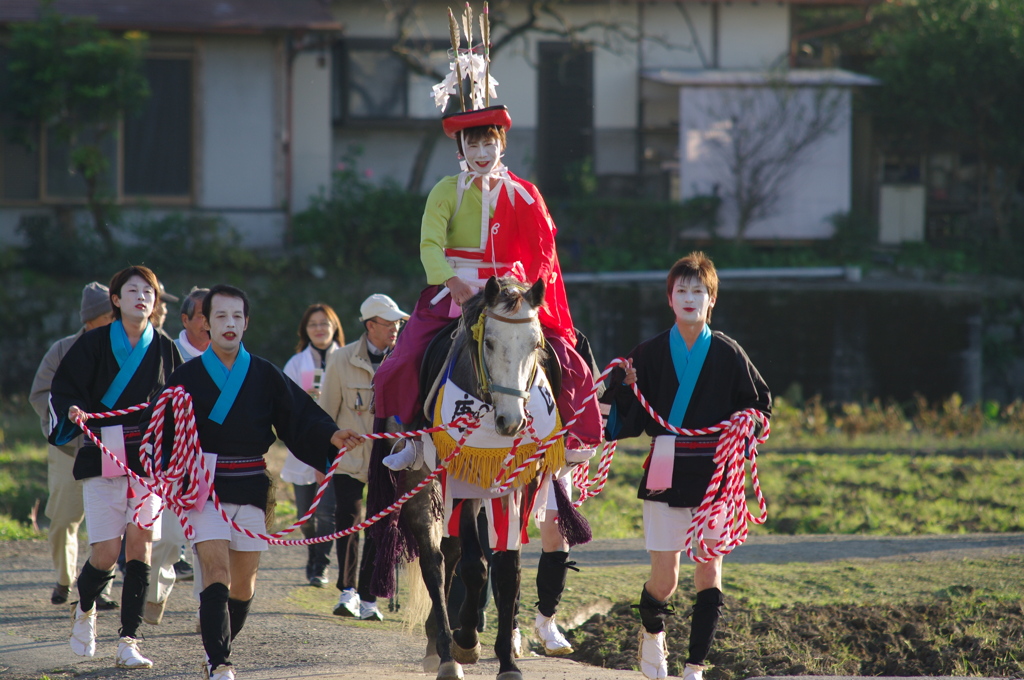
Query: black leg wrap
pixel 133 597
pixel 91 582
pixel 214 624
pixel 703 624
pixel 652 612
pixel 310 558
pixel 551 572
pixel 238 611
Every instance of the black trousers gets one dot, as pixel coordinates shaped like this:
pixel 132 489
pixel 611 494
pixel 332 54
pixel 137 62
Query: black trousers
pixel 320 524
pixel 353 572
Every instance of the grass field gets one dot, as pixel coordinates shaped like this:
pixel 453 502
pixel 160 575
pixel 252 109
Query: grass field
pixel 867 470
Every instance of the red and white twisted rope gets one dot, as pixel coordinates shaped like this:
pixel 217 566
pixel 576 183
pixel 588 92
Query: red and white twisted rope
pixel 186 459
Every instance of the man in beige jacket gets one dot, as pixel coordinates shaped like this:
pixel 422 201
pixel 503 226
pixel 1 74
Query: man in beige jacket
pixel 346 395
pixel 64 507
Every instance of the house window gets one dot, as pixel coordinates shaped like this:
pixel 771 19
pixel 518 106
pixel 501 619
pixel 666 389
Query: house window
pixel 149 154
pixel 373 83
pixel 158 138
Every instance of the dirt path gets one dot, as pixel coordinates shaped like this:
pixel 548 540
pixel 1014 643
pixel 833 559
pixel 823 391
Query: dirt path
pixel 287 636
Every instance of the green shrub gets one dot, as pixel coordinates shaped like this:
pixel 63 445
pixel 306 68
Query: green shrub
pixel 61 250
pixel 599 234
pixel 177 241
pixel 182 242
pixel 362 228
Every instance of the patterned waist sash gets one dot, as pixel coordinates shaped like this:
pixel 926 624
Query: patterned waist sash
pixel 240 467
pixel 665 449
pixel 694 446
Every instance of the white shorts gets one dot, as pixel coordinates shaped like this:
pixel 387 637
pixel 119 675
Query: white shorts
pixel 546 507
pixel 108 510
pixel 210 526
pixel 665 528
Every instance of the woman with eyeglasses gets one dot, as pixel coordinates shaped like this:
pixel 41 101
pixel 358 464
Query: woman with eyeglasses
pixel 320 334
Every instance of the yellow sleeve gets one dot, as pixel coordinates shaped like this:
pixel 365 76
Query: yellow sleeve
pixel 434 230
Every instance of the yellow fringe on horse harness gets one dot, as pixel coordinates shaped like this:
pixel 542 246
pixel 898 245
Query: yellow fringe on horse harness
pixel 482 466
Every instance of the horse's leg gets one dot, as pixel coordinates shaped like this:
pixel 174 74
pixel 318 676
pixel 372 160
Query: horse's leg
pixel 432 568
pixel 474 578
pixel 505 575
pixel 451 548
pixel 450 552
pixel 418 516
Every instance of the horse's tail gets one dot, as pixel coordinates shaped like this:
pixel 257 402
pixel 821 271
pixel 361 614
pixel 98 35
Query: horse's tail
pixel 417 605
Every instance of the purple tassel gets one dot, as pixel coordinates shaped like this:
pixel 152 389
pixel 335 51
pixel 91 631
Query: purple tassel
pixel 573 526
pixel 381 492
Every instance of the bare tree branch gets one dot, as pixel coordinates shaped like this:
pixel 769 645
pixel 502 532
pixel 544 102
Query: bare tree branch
pixel 766 133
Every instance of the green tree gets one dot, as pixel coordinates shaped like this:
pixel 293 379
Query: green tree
pixel 72 79
pixel 953 71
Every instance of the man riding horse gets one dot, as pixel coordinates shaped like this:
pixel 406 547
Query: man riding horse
pixel 487 222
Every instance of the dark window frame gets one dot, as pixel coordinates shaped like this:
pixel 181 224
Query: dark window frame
pixel 43 197
pixel 342 80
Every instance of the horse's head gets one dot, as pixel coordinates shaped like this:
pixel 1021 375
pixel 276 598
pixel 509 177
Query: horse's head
pixel 506 343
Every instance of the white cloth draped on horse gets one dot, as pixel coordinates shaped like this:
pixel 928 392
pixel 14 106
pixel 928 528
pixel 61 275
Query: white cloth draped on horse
pixel 486 454
pixel 486 460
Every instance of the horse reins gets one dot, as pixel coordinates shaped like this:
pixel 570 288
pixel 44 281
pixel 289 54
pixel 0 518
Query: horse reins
pixel 483 377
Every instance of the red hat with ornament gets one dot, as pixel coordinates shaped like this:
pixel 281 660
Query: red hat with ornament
pixel 472 63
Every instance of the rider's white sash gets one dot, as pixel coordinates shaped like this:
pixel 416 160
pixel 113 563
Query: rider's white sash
pixel 485 454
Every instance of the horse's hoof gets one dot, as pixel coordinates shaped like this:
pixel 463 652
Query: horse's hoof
pixel 431 663
pixel 510 675
pixel 450 670
pixel 466 656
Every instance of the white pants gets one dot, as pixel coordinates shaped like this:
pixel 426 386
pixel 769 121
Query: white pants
pixel 665 528
pixel 108 510
pixel 166 552
pixel 65 510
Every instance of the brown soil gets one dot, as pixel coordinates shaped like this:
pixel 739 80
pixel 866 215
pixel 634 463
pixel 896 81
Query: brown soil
pixel 935 640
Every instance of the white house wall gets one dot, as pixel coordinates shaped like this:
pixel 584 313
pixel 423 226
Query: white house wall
pixel 311 126
pixel 754 35
pixel 669 42
pixel 818 188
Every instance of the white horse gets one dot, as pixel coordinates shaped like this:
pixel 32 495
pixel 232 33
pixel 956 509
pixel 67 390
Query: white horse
pixel 496 355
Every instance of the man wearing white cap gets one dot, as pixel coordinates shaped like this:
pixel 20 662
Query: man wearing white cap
pixel 64 507
pixel 346 395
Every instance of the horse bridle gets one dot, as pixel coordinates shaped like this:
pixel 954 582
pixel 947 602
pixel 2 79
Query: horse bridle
pixel 483 378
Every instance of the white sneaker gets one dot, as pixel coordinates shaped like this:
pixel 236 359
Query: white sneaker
pixel 223 672
pixel 652 654
pixel 83 631
pixel 554 642
pixel 368 611
pixel 348 603
pixel 128 655
pixel 694 671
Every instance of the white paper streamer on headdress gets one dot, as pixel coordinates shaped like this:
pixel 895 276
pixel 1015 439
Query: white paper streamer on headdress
pixel 473 66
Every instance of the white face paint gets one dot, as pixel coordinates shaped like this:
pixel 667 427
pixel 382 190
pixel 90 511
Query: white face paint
pixel 483 154
pixel 227 323
pixel 690 301
pixel 136 300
